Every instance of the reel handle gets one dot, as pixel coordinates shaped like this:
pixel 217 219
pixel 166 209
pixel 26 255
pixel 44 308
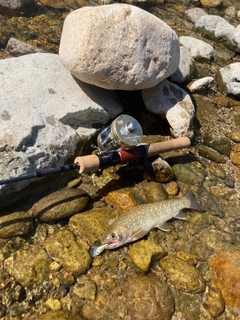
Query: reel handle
pixel 93 162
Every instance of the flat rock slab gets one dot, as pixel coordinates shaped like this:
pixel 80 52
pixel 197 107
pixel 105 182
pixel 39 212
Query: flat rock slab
pixel 118 46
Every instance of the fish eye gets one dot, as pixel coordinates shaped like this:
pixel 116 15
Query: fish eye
pixel 113 236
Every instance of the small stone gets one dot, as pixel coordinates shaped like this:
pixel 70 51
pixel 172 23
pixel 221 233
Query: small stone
pixel 211 3
pixel 190 173
pixel 200 85
pixel 210 153
pixel 187 257
pixel 84 289
pixel 214 302
pixel 234 136
pixel 182 275
pixel 15 224
pixel 144 252
pixel 122 200
pixel 172 188
pixel 53 304
pixel 59 315
pixel 55 266
pixel 60 204
pixel 217 170
pixel 235 155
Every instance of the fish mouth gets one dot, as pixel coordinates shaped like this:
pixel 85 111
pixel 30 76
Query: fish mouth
pixel 111 244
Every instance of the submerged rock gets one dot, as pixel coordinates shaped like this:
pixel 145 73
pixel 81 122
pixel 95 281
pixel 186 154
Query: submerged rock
pixel 60 204
pixel 16 224
pixel 59 315
pixel 182 275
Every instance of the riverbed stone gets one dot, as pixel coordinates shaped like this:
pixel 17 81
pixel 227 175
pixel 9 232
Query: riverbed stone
pixel 60 204
pixel 143 253
pixel 141 49
pixel 194 14
pixel 84 289
pixel 63 248
pixel 182 275
pixel 199 49
pixel 234 136
pixel 211 3
pixel 29 265
pixel 228 79
pixel 170 101
pixel 147 297
pixel 16 224
pixel 122 200
pixel 210 153
pixel 15 4
pixel 226 262
pixel 214 301
pixel 92 225
pixel 235 155
pixel 203 84
pixel 190 173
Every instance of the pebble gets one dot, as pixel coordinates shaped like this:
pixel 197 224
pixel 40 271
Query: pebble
pixel 210 153
pixel 84 289
pixel 59 315
pixel 214 301
pixel 217 170
pixel 16 224
pixel 211 3
pixel 235 155
pixel 203 84
pixel 122 200
pixel 234 136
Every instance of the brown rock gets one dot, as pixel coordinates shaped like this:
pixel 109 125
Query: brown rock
pixel 235 155
pixel 59 315
pixel 234 136
pixel 122 200
pixel 148 297
pixel 211 3
pixel 214 302
pixel 225 266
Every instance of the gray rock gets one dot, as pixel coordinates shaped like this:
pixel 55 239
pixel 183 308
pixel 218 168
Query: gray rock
pixel 44 114
pixel 229 79
pixel 218 28
pixel 18 47
pixel 169 100
pixel 186 67
pixel 15 4
pixel 199 50
pixel 118 46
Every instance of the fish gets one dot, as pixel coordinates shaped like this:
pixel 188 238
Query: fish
pixel 138 221
pixel 97 250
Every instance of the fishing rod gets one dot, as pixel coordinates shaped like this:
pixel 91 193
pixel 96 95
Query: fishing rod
pixel 117 144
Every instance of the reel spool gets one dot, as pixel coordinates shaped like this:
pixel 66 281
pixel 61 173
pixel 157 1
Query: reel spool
pixel 125 132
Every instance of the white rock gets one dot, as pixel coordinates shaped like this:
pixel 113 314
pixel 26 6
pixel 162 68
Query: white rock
pixel 186 67
pixel 217 28
pixel 45 113
pixel 229 79
pixel 236 37
pixel 194 14
pixel 15 4
pixel 118 46
pixel 202 84
pixel 169 100
pixel 199 50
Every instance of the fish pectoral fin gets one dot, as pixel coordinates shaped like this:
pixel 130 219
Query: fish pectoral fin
pixel 163 226
pixel 180 215
pixel 139 233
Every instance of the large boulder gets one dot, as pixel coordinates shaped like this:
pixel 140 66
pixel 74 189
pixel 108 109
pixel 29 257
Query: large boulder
pixel 118 46
pixel 45 114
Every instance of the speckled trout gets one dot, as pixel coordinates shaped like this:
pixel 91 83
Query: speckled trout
pixel 138 221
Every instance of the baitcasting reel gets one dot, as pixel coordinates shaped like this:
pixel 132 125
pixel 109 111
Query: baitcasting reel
pixel 124 133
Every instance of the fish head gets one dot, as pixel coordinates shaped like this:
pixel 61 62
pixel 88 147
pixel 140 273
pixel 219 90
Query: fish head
pixel 117 237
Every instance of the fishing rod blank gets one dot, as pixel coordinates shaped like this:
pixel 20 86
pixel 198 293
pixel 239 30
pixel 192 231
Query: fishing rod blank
pixel 41 173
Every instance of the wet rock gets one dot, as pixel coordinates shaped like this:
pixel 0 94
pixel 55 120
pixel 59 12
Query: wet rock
pixel 162 170
pixel 228 79
pixel 144 252
pixel 234 136
pixel 225 267
pixel 16 224
pixel 199 50
pixel 214 302
pixel 86 32
pixel 53 304
pixel 203 84
pixel 187 257
pixel 18 48
pixel 222 145
pixel 63 248
pixel 84 289
pixel 170 101
pixel 217 170
pixel 122 200
pixel 92 225
pixel 235 155
pixel 210 153
pixel 15 4
pixel 29 265
pixel 153 191
pixel 147 297
pixel 172 188
pixel 183 276
pixel 60 204
pixel 59 315
pixel 190 173
pixel 186 67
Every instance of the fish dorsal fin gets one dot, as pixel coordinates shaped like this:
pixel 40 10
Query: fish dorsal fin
pixel 180 215
pixel 163 226
pixel 139 233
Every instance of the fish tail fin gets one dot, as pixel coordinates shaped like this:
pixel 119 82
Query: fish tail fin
pixel 193 203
